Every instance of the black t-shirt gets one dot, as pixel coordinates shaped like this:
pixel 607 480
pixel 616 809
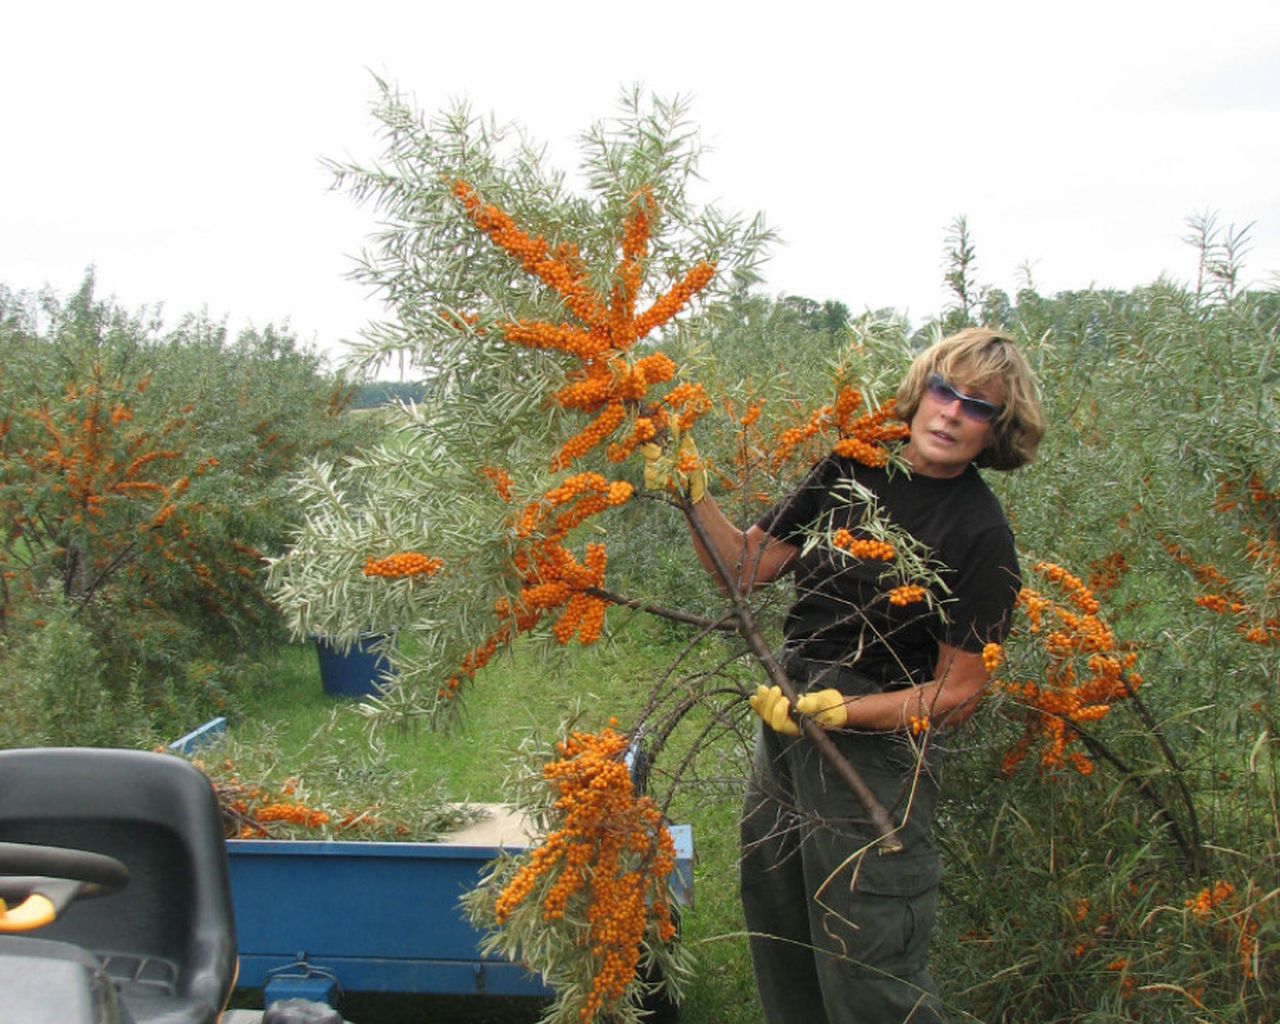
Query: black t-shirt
pixel 842 612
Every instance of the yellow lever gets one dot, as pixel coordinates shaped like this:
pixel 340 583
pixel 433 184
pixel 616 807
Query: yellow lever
pixel 35 911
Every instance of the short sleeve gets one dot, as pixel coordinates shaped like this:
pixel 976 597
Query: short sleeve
pixel 984 589
pixel 790 518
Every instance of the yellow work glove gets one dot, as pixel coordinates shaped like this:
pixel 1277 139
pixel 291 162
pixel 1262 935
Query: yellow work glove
pixel 826 707
pixel 662 473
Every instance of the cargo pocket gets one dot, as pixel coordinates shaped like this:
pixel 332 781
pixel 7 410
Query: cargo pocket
pixel 888 912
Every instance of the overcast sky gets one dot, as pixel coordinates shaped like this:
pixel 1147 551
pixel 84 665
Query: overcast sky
pixel 176 146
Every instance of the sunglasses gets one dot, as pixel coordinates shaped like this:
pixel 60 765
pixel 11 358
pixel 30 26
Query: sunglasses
pixel 973 408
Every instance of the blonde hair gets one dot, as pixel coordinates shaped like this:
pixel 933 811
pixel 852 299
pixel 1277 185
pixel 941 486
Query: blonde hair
pixel 973 358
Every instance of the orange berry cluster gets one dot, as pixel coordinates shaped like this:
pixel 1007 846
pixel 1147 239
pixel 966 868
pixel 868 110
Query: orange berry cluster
pixel 550 577
pixel 907 594
pixel 600 428
pixel 501 480
pixel 563 337
pixel 752 415
pixel 609 389
pixel 402 565
pixel 295 813
pixel 610 851
pixel 848 401
pixel 582 496
pixel 643 430
pixel 918 724
pixel 790 440
pixel 1239 926
pixel 676 298
pixel 862 439
pixel 1105 573
pixel 533 253
pixel 1203 903
pixel 1227 498
pixel 863 547
pixel 605 386
pixel 690 402
pixel 249 811
pixel 1223 599
pixel 1084 676
pixel 473 662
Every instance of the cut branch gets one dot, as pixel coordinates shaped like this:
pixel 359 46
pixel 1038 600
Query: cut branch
pixel 727 624
pixel 814 733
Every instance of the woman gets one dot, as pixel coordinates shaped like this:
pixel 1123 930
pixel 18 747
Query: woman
pixel 839 930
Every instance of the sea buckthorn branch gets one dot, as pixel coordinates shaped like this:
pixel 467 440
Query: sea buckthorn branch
pixel 605 386
pixel 403 565
pixel 750 631
pixel 596 884
pixel 322 797
pixel 908 565
pixel 1084 675
pixel 1256 510
pixel 1084 672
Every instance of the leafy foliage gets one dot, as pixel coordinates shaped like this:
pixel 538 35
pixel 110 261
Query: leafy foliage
pixel 1148 868
pixel 140 477
pixel 532 292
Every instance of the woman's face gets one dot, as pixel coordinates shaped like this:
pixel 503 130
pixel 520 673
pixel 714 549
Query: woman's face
pixel 949 430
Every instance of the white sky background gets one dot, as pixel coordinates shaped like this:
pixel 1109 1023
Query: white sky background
pixel 176 146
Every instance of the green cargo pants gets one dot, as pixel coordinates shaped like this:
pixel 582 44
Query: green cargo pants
pixel 839 931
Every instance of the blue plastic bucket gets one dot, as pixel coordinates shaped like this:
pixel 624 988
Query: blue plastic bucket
pixel 358 673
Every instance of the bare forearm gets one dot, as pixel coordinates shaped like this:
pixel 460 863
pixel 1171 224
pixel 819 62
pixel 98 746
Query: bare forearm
pixel 959 678
pixel 941 705
pixel 721 534
pixel 751 557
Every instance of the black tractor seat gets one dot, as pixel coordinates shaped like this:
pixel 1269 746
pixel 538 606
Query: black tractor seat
pixel 167 939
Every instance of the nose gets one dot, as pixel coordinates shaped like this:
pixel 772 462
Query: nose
pixel 950 408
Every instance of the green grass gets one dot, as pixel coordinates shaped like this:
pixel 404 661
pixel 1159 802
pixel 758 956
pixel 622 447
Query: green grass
pixel 519 694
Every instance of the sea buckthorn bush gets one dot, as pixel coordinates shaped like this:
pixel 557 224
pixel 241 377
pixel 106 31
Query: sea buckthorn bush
pixel 1127 775
pixel 142 476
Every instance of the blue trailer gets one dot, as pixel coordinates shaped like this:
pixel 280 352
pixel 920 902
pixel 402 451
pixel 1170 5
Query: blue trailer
pixel 315 918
